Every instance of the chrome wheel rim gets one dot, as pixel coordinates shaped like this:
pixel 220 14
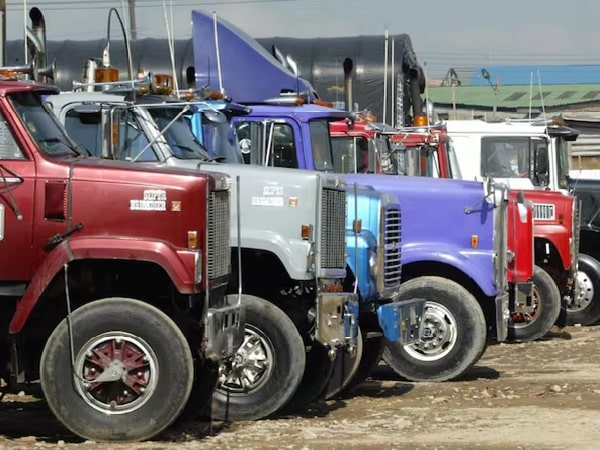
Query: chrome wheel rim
pixel 438 335
pixel 116 372
pixel 252 365
pixel 585 293
pixel 524 319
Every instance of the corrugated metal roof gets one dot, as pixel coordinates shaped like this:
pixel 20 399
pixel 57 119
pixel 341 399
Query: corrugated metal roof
pixel 525 74
pixel 515 97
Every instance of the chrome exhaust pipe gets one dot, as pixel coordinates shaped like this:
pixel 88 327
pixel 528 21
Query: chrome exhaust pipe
pixel 36 42
pixel 3 32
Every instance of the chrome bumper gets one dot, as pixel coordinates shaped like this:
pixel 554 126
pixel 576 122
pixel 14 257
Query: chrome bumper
pixel 401 321
pixel 225 328
pixel 337 319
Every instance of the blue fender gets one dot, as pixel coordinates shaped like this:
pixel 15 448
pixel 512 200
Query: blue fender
pixel 361 247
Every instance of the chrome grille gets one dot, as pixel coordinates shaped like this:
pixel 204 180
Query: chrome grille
pixel 392 240
pixel 543 211
pixel 333 228
pixel 218 252
pixel 576 233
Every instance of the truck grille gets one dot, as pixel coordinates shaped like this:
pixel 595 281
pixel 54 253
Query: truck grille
pixel 218 251
pixel 333 229
pixel 543 211
pixel 576 232
pixel 392 240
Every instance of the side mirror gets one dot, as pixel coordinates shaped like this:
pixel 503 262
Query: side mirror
pixel 522 207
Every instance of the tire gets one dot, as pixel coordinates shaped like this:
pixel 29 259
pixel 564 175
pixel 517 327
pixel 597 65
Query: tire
pixel 453 321
pixel 345 367
pixel 371 355
pixel 99 329
pixel 547 303
pixel 270 364
pixel 585 309
pixel 318 371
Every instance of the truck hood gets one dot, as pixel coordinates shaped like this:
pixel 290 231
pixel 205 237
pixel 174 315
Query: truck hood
pixel 436 209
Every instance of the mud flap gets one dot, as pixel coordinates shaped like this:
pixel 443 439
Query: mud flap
pixel 401 321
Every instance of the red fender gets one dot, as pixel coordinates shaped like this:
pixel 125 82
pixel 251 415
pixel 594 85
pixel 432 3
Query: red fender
pixel 178 263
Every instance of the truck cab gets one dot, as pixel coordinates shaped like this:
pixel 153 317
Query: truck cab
pixel 114 288
pixel 535 159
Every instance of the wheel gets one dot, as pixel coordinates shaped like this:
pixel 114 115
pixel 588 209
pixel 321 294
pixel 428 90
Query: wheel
pixel 546 308
pixel 371 355
pixel 132 371
pixel 267 368
pixel 345 367
pixel 585 308
pixel 453 337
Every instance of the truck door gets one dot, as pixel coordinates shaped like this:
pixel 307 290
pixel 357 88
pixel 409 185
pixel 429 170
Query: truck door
pixel 17 185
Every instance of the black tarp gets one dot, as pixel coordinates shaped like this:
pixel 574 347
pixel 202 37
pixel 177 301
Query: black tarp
pixel 319 61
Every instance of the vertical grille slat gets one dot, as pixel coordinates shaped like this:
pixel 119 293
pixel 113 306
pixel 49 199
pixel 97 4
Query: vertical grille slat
pixel 333 232
pixel 392 243
pixel 219 252
pixel 543 211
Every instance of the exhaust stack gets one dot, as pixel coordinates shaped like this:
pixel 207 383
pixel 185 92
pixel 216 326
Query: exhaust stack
pixel 3 33
pixel 36 41
pixel 348 85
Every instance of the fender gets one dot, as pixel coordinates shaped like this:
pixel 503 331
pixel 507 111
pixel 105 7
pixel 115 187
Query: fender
pixel 559 236
pixel 476 264
pixel 362 246
pixel 178 263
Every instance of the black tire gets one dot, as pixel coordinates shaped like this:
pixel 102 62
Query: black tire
pixel 585 309
pixel 272 355
pixel 138 329
pixel 547 301
pixel 318 371
pixel 453 321
pixel 344 369
pixel 371 355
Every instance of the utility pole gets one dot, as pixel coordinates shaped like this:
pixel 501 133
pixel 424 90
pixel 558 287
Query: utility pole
pixel 132 25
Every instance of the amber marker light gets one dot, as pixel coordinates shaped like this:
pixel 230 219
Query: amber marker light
pixel 306 232
pixel 474 241
pixel 420 120
pixel 192 239
pixel 332 288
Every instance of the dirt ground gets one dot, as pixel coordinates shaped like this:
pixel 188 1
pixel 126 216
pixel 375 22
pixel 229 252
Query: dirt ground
pixel 538 395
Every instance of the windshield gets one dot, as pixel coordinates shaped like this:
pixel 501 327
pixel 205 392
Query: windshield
pixel 505 157
pixel 219 138
pixel 178 134
pixel 563 161
pixel 344 160
pixel 321 144
pixel 42 125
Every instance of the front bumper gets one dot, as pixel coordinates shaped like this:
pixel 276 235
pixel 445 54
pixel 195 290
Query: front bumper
pixel 502 316
pixel 401 321
pixel 225 329
pixel 337 319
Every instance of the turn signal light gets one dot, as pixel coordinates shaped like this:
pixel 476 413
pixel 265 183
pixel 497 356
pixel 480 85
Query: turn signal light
pixel 474 241
pixel 106 74
pixel 306 232
pixel 192 239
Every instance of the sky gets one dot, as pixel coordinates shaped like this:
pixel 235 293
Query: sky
pixel 460 33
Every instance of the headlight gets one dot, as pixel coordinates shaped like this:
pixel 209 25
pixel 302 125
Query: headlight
pixel 198 267
pixel 373 269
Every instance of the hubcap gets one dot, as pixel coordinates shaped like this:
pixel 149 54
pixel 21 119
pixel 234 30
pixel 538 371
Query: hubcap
pixel 438 335
pixel 526 315
pixel 585 293
pixel 116 372
pixel 252 364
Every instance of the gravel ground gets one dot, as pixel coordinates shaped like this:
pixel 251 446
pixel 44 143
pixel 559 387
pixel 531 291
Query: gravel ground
pixel 537 395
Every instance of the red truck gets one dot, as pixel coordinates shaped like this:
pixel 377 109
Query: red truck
pixel 113 278
pixel 431 153
pixel 372 147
